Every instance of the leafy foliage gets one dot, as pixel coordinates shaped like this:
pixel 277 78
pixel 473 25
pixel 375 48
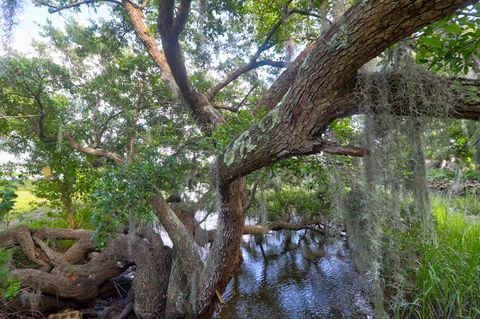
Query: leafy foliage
pixel 9 286
pixel 125 192
pixel 453 44
pixel 7 197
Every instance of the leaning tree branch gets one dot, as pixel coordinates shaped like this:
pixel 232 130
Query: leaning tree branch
pixel 309 99
pixel 222 106
pixel 138 21
pixel 182 16
pixel 272 226
pixel 178 233
pixel 40 129
pixel 198 104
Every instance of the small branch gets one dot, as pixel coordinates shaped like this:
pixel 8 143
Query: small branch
pixel 221 106
pixel 182 16
pixel 54 9
pixel 117 159
pixel 246 97
pixel 266 42
pixel 319 145
pixel 138 106
pixel 203 219
pixel 311 14
pixel 251 198
pixel 253 64
pixel 338 149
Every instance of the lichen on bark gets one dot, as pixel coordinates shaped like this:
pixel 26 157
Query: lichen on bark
pixel 339 40
pixel 241 146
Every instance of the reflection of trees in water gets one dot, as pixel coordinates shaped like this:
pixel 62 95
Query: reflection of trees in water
pixel 285 273
pixel 280 250
pixel 278 255
pixel 256 251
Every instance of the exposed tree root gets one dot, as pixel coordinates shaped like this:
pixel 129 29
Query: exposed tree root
pixel 73 279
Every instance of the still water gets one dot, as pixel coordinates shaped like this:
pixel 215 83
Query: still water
pixel 290 274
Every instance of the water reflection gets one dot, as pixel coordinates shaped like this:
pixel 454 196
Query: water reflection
pixel 295 275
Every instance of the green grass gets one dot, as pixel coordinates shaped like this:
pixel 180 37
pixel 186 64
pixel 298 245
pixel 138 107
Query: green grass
pixel 26 201
pixel 465 205
pixel 34 212
pixel 447 276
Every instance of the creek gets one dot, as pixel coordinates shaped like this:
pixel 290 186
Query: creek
pixel 296 274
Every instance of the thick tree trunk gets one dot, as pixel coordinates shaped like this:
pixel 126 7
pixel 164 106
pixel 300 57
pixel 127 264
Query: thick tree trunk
pixel 224 257
pixel 152 273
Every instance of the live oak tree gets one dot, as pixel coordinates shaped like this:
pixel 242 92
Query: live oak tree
pixel 316 88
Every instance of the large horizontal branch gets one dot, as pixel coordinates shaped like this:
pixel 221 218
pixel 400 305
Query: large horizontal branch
pixel 308 100
pixel 280 225
pixel 272 226
pixel 467 104
pixel 464 94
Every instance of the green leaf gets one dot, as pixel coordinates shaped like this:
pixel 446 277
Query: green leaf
pixel 453 28
pixel 434 42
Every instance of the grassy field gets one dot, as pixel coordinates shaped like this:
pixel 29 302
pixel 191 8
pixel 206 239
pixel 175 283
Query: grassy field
pixel 26 200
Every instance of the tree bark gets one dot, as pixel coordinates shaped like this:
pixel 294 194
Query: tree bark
pixel 224 257
pixel 322 80
pixel 152 273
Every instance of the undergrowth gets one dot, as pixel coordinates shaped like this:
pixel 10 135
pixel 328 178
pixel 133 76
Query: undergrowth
pixel 446 277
